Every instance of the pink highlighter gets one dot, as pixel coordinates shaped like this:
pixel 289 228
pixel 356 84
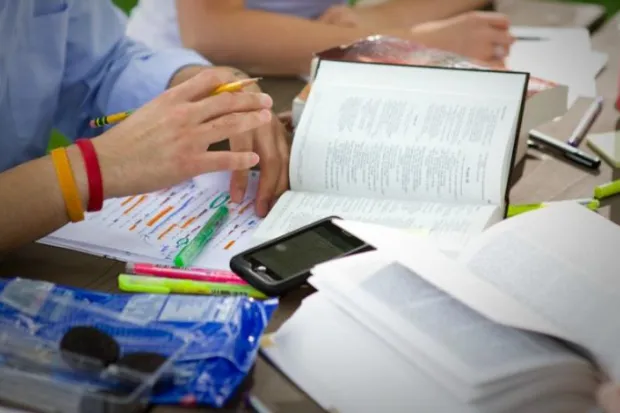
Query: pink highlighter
pixel 194 274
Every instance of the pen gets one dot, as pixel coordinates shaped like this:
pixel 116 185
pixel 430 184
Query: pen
pixel 569 152
pixel 188 254
pixel 228 87
pixel 156 285
pixel 195 274
pixel 530 38
pixel 586 122
pixel 591 204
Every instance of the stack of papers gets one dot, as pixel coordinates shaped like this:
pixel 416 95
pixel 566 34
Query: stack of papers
pixel 154 227
pixel 558 55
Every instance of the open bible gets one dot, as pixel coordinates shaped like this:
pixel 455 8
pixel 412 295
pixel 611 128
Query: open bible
pixel 522 321
pixel 417 147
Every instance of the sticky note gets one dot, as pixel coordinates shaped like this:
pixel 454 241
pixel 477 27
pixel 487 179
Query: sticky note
pixel 607 146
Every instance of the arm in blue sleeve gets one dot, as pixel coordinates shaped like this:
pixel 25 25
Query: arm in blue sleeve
pixel 105 71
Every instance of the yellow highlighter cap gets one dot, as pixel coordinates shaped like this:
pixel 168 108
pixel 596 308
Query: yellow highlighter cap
pixel 594 205
pixel 607 190
pixel 519 209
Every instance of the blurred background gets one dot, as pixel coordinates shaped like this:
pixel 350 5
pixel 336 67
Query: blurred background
pixel 612 6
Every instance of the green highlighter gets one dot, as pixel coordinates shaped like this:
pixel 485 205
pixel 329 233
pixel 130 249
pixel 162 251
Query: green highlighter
pixel 188 254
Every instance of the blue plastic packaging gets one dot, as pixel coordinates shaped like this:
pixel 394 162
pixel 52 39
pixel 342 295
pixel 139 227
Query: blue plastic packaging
pixel 225 331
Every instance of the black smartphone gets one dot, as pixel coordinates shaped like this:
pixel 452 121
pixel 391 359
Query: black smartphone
pixel 283 264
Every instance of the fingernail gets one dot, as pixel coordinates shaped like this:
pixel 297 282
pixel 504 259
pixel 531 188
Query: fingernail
pixel 237 195
pixel 253 159
pixel 266 100
pixel 264 115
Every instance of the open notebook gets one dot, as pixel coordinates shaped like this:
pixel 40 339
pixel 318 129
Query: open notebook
pixel 418 147
pixel 154 227
pixel 522 321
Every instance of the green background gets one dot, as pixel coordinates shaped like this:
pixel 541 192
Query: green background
pixel 57 139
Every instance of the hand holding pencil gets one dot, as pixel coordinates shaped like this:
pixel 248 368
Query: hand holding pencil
pixel 226 87
pixel 166 141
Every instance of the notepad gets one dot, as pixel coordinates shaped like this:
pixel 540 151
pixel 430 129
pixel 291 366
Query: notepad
pixel 607 145
pixel 559 57
pixel 154 227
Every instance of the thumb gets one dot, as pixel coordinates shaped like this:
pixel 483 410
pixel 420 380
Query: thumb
pixel 608 398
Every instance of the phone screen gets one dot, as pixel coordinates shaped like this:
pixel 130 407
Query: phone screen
pixel 303 251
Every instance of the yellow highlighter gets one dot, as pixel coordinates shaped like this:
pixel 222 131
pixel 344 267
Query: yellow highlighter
pixel 158 285
pixel 607 190
pixel 592 204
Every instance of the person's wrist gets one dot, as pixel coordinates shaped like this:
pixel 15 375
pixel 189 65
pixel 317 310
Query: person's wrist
pixel 79 173
pixel 112 173
pixel 185 73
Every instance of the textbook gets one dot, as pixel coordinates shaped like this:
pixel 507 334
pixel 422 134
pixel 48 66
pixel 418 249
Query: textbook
pixel 425 148
pixel 546 100
pixel 522 321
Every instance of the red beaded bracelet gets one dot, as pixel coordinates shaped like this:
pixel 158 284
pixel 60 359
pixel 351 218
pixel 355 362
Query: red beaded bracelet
pixel 93 172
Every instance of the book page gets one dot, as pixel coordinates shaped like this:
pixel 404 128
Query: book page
pixel 400 138
pixel 431 329
pixel 449 225
pixel 345 368
pixel 561 262
pixel 157 225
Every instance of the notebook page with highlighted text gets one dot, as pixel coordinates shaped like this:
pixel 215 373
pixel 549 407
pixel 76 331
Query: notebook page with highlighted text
pixel 154 227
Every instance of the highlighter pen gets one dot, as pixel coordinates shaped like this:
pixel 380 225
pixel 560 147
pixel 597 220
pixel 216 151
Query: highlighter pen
pixel 188 254
pixel 591 204
pixel 195 274
pixel 157 285
pixel 586 122
pixel 607 190
pixel 569 152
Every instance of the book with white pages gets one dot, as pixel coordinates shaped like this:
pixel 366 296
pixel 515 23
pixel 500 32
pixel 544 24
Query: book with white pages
pixel 417 147
pixel 522 321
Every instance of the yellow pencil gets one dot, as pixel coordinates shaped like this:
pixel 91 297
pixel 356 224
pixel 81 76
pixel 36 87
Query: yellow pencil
pixel 228 87
pixel 235 86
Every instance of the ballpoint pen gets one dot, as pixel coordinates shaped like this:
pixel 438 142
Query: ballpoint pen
pixel 586 122
pixel 570 152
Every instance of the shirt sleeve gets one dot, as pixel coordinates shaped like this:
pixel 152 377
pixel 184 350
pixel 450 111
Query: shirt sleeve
pixel 107 72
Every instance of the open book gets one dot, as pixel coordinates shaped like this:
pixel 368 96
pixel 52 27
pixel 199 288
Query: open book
pixel 545 101
pixel 407 146
pixel 522 321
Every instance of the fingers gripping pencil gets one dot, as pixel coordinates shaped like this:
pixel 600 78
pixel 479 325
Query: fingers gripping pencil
pixel 228 87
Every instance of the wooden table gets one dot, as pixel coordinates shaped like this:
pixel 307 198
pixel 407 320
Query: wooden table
pixel 544 178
